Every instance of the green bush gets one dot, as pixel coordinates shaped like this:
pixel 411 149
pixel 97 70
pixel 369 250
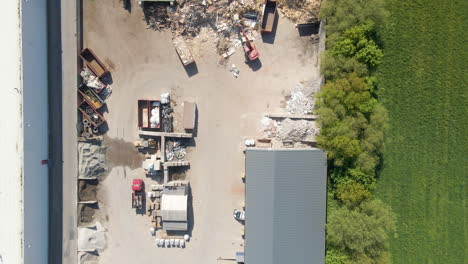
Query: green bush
pixel 338 67
pixel 352 193
pixel 343 14
pixel 363 231
pixel 357 42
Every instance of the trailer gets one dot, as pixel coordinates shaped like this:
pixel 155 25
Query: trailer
pixel 91 114
pixel 269 15
pixel 149 114
pixel 183 51
pixel 90 96
pixel 190 112
pixel 94 64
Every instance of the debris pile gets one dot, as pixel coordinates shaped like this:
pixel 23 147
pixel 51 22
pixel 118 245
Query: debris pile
pixel 157 15
pixel 187 18
pixel 301 101
pixel 300 11
pixel 91 160
pixel 296 130
pixel 166 113
pixel 290 130
pixel 92 81
pixel 92 238
pixel 175 151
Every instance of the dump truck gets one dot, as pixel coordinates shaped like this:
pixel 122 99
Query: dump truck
pixel 183 51
pixel 90 96
pixel 149 114
pixel 190 111
pixel 269 14
pixel 91 114
pixel 94 64
pixel 137 193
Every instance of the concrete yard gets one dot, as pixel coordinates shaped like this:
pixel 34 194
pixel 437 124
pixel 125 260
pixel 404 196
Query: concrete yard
pixel 144 64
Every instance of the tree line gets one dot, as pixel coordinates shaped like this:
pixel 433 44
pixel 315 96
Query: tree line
pixel 353 124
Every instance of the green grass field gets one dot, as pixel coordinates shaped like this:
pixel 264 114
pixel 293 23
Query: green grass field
pixel 424 81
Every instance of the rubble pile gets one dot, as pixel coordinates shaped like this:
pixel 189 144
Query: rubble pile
pixel 301 101
pixel 296 130
pixel 300 11
pixel 291 130
pixel 157 15
pixel 175 151
pixel 221 18
pixel 91 159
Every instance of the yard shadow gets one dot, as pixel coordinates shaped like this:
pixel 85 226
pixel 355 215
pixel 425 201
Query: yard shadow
pixel 191 69
pixel 308 29
pixel 106 78
pixel 127 5
pixel 255 65
pixel 270 37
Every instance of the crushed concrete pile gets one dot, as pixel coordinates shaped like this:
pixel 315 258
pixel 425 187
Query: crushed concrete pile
pixel 88 258
pixel 300 11
pixel 188 18
pixel 291 130
pixel 91 159
pixel 296 130
pixel 91 238
pixel 301 100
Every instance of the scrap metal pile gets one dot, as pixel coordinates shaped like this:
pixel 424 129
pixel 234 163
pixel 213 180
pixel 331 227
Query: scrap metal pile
pixel 221 18
pixel 175 151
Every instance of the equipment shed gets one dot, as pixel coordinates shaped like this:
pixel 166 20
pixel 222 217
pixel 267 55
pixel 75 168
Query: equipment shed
pixel 285 206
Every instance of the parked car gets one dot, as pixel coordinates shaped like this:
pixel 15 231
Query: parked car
pixel 239 215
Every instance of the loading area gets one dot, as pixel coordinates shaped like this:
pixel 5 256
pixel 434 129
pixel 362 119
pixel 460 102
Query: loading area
pixel 188 163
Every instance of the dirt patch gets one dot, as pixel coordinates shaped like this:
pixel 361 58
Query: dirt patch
pixel 87 190
pixel 86 213
pixel 178 173
pixel 122 153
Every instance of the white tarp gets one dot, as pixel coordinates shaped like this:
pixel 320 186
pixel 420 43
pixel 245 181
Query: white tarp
pixel 174 207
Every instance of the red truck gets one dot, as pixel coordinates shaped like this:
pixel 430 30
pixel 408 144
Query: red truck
pixel 149 114
pixel 137 193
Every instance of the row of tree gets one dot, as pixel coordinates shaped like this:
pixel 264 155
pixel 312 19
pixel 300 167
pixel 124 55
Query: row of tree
pixel 353 124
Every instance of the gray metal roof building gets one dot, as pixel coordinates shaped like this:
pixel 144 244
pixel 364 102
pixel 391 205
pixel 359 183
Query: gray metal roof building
pixel 285 206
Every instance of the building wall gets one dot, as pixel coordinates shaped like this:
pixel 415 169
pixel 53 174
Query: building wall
pixel 35 130
pixel 11 153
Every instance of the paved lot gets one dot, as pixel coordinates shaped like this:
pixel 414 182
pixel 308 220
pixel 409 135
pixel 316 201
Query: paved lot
pixel 144 65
